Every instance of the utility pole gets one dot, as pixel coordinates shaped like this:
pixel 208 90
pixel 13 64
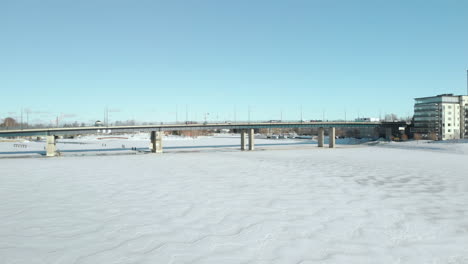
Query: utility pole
pixel 106 116
pixel 176 114
pixel 21 118
pixel 27 118
pixel 249 113
pixel 235 114
pixel 186 113
pixel 301 115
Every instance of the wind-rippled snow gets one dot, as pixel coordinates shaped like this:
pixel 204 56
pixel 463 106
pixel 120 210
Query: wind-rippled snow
pixel 302 204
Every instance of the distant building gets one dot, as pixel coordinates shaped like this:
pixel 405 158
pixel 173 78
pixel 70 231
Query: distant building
pixel 98 123
pixel 367 119
pixel 445 116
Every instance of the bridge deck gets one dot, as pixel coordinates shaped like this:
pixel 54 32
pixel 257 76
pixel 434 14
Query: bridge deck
pixel 175 127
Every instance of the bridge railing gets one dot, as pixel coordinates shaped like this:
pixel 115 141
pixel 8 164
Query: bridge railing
pixel 3 128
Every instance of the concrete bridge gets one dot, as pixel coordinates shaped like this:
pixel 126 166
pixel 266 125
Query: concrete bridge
pixel 157 131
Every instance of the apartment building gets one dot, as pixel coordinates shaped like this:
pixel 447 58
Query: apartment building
pixel 445 116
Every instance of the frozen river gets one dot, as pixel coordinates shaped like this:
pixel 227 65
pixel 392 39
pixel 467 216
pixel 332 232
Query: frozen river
pixel 388 203
pixel 105 144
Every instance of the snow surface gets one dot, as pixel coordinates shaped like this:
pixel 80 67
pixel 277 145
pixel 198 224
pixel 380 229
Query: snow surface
pixel 376 203
pixel 110 144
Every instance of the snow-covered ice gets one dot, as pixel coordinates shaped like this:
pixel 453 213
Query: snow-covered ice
pixel 126 143
pixel 376 203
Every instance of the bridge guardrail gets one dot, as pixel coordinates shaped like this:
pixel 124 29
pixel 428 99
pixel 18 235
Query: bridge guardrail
pixel 184 123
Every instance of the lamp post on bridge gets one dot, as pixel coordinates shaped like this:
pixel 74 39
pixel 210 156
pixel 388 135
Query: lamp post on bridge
pixel 235 114
pixel 302 120
pixel 205 118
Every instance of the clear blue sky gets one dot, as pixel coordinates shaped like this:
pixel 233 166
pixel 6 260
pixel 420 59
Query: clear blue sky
pixel 143 59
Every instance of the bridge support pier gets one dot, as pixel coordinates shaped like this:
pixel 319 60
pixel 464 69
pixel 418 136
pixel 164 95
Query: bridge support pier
pixel 251 139
pixel 331 136
pixel 51 148
pixel 388 133
pixel 243 145
pixel 321 136
pixel 156 142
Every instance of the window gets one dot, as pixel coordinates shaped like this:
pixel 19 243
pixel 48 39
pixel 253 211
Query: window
pixel 448 130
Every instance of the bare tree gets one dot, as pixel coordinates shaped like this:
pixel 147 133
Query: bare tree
pixel 417 136
pixel 432 136
pixel 9 122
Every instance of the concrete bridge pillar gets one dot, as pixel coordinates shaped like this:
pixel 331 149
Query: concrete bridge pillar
pixel 331 135
pixel 156 142
pixel 51 148
pixel 251 139
pixel 321 136
pixel 243 139
pixel 388 133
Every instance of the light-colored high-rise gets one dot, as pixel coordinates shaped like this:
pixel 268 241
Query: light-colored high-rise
pixel 445 116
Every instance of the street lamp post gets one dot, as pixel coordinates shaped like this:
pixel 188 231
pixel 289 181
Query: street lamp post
pixel 301 115
pixel 235 114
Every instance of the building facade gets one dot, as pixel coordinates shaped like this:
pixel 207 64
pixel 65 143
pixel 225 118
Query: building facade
pixel 443 116
pixel 367 119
